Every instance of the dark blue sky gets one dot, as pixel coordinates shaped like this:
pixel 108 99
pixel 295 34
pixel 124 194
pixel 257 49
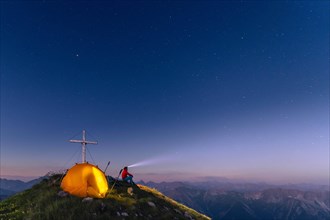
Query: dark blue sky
pixel 240 87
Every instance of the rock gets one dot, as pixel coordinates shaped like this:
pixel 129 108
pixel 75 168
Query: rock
pixel 62 194
pixel 178 211
pixel 87 199
pixel 124 214
pixel 186 214
pixel 151 204
pixel 130 191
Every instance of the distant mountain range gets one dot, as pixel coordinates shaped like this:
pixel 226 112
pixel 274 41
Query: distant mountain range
pixel 11 187
pixel 225 200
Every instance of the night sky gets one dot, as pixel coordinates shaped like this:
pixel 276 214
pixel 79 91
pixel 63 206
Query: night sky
pixel 200 88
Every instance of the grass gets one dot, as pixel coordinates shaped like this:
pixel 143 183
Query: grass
pixel 158 194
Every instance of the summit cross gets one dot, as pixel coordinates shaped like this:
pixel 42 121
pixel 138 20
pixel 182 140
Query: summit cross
pixel 83 145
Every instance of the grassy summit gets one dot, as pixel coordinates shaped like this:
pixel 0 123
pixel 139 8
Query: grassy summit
pixel 46 201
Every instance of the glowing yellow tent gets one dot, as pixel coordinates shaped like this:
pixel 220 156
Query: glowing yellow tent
pixel 85 180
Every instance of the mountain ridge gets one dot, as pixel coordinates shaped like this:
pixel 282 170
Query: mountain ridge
pixel 46 200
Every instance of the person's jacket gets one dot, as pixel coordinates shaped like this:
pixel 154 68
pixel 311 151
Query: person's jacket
pixel 125 173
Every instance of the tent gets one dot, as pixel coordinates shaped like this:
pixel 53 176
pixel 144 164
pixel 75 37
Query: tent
pixel 85 180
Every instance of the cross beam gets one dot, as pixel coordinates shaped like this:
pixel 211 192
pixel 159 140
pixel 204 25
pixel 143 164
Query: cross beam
pixel 83 145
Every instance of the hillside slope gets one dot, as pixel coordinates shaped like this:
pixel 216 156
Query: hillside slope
pixel 46 201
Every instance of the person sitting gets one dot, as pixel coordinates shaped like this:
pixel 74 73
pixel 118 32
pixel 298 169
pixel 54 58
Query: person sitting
pixel 126 176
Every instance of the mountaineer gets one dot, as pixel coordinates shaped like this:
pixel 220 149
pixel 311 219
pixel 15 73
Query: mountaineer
pixel 126 176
